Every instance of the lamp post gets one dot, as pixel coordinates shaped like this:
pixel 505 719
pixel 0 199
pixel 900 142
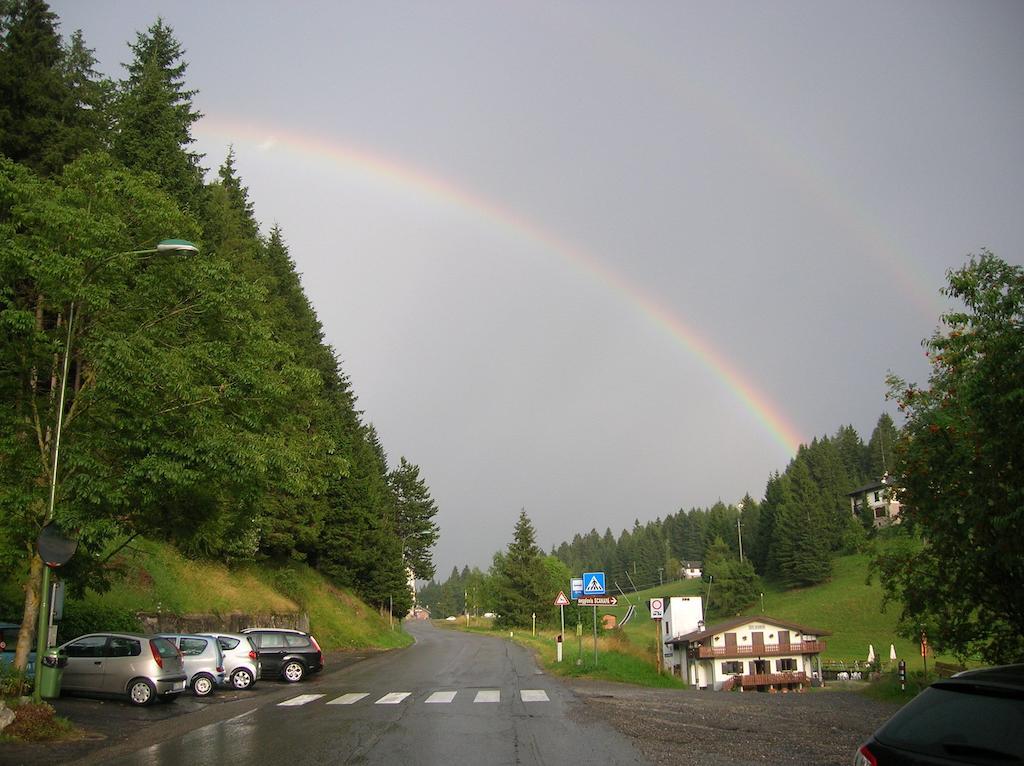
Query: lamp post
pixel 179 246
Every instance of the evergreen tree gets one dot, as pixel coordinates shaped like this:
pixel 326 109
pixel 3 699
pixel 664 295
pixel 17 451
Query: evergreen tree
pixel 881 446
pixel 519 577
pixel 154 116
pixel 799 554
pixel 414 518
pixel 734 585
pixel 33 92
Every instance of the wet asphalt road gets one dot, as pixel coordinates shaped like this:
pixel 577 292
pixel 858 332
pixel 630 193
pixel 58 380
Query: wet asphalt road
pixel 452 697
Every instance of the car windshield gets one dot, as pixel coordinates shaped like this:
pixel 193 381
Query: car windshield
pixel 960 723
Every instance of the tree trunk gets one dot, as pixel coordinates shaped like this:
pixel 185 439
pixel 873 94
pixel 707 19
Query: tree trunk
pixel 30 615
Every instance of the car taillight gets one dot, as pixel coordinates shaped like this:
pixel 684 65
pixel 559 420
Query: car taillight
pixel 865 757
pixel 156 654
pixel 252 654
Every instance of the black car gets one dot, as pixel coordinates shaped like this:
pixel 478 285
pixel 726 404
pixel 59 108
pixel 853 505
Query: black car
pixel 975 717
pixel 287 654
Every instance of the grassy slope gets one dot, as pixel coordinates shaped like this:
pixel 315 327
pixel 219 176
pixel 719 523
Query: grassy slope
pixel 158 577
pixel 847 606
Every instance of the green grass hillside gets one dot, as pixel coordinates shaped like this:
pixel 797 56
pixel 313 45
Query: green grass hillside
pixel 155 576
pixel 847 606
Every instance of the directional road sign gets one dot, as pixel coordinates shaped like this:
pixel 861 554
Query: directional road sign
pixel 593 584
pixel 597 601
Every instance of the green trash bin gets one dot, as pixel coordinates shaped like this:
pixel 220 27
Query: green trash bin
pixel 49 672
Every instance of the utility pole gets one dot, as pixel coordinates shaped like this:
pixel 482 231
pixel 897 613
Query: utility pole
pixel 739 533
pixel 661 580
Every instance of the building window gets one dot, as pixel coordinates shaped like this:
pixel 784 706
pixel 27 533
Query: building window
pixel 787 664
pixel 732 668
pixel 881 513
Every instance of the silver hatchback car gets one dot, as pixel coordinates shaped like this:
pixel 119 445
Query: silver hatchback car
pixel 142 667
pixel 241 660
pixel 204 662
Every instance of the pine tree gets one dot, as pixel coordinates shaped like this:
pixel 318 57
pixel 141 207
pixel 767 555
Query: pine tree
pixel 880 448
pixel 518 575
pixel 33 92
pixel 154 116
pixel 414 518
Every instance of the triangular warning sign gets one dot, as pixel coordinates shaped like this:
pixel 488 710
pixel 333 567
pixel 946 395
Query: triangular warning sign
pixel 561 600
pixel 594 586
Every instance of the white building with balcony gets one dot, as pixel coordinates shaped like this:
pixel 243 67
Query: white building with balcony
pixel 751 653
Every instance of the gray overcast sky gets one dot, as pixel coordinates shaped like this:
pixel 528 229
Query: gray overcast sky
pixel 606 260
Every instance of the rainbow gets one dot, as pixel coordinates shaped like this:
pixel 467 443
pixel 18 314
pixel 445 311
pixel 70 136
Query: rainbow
pixel 409 178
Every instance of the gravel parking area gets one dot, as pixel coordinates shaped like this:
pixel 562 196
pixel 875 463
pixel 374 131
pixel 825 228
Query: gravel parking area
pixel 684 728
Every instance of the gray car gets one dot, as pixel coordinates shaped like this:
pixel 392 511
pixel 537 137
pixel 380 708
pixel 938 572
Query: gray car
pixel 241 660
pixel 114 664
pixel 204 661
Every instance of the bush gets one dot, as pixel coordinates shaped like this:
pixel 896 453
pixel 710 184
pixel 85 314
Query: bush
pixel 37 723
pixel 81 617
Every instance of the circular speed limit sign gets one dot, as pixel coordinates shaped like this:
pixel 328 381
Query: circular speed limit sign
pixel 657 606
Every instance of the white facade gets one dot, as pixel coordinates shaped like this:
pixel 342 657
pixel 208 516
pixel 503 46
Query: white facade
pixel 878 496
pixel 754 653
pixel 683 614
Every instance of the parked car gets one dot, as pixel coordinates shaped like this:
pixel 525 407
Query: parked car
pixel 975 717
pixel 204 661
pixel 9 642
pixel 241 660
pixel 142 667
pixel 287 654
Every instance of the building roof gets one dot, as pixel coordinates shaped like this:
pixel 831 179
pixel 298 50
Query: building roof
pixel 735 622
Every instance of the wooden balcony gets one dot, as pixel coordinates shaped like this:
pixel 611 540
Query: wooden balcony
pixel 773 679
pixel 795 647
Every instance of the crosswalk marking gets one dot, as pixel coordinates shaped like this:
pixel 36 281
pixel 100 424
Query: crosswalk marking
pixel 534 695
pixel 348 699
pixel 441 697
pixel 396 698
pixel 302 699
pixel 393 698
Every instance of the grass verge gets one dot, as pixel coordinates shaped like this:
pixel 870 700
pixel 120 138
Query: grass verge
pixel 38 723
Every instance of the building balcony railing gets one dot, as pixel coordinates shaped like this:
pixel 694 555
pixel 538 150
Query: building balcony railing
pixel 772 679
pixel 794 647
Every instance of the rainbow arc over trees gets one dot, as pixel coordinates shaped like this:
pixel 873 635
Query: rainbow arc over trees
pixel 409 178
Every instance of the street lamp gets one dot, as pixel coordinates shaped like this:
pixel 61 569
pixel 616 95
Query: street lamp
pixel 180 247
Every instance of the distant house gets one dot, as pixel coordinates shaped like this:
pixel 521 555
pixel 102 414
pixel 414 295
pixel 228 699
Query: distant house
pixel 419 613
pixel 691 569
pixel 878 495
pixel 750 653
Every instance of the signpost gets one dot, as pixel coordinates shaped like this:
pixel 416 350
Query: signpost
pixel 657 607
pixel 561 602
pixel 593 586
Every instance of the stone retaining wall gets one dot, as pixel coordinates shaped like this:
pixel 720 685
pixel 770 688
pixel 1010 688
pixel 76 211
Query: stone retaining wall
pixel 165 622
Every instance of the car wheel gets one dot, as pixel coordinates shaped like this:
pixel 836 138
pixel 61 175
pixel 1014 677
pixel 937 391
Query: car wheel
pixel 293 671
pixel 242 678
pixel 202 685
pixel 141 691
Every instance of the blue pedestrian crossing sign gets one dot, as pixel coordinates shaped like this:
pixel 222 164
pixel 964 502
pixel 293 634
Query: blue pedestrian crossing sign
pixel 593 584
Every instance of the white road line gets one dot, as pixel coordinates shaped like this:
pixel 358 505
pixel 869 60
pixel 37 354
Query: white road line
pixel 392 698
pixel 348 699
pixel 302 699
pixel 441 697
pixel 534 695
pixel 488 695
